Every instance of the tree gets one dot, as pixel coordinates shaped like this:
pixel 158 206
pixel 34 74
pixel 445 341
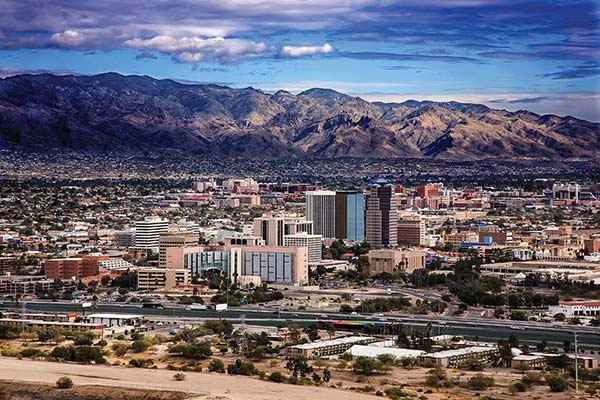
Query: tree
pixel 295 333
pixel 312 332
pixel 298 366
pixel 141 345
pixel 367 366
pixel 241 368
pixel 326 375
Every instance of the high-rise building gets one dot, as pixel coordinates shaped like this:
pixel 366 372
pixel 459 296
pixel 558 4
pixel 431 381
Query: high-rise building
pixel 320 209
pixel 124 238
pixel 174 239
pixel 350 216
pixel 147 233
pixel 381 214
pixel 411 231
pixel 312 242
pixel 273 228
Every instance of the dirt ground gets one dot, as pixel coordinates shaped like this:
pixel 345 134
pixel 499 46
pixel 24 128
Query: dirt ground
pixel 200 386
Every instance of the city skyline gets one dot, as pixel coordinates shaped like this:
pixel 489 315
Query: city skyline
pixel 542 56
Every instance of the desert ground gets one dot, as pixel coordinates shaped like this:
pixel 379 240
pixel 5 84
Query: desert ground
pixel 203 386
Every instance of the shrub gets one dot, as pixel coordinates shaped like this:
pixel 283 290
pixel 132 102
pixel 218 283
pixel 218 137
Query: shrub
pixel 241 368
pixel 216 365
pixel 532 378
pixel 196 351
pixel 119 348
pixel 519 386
pixel 276 377
pixel 30 352
pixel 141 362
pixel 64 383
pixel 396 393
pixel 480 382
pixel 179 376
pixel 141 345
pixel 557 383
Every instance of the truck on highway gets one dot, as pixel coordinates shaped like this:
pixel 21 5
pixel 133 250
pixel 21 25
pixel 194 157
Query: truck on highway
pixel 196 306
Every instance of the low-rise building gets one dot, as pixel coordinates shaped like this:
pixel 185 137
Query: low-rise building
pixel 327 348
pixel 576 309
pixel 161 278
pixel 392 260
pixel 454 358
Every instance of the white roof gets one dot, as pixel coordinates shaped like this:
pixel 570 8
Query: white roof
pixel 373 351
pixel 334 342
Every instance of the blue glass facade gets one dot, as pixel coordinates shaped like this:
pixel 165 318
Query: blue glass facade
pixel 355 217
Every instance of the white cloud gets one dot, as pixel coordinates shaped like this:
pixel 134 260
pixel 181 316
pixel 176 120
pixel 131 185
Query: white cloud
pixel 68 39
pixel 194 49
pixel 303 51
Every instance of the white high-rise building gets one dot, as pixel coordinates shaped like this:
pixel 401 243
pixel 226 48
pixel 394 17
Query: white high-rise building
pixel 320 209
pixel 147 233
pixel 312 242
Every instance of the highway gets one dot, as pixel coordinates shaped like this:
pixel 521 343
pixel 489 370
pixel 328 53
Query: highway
pixel 486 329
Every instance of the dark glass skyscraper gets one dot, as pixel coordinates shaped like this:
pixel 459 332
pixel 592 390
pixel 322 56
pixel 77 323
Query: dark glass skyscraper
pixel 381 214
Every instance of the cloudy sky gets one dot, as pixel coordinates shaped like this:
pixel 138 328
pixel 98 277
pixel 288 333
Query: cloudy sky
pixel 539 55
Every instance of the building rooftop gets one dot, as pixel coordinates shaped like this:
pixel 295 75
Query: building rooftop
pixel 115 316
pixel 374 351
pixel 458 352
pixel 334 342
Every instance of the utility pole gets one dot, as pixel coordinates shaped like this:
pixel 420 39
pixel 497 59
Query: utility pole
pixel 576 364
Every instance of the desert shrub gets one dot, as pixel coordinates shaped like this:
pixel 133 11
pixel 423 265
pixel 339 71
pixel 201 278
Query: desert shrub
pixel 276 377
pixel 480 382
pixel 216 365
pixel 557 383
pixel 64 383
pixel 241 368
pixel 179 376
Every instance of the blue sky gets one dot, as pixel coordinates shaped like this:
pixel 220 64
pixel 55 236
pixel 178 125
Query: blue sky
pixel 538 55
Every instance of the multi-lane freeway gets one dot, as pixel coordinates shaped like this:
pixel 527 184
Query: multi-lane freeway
pixel 486 329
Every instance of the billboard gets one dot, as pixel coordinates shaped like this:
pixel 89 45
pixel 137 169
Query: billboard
pixel 221 307
pixel 86 304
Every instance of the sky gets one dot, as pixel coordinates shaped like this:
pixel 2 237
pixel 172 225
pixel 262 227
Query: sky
pixel 538 55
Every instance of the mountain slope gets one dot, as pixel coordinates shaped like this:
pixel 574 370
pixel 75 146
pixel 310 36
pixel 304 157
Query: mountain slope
pixel 112 112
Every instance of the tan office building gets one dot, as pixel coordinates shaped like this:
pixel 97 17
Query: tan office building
pixel 392 261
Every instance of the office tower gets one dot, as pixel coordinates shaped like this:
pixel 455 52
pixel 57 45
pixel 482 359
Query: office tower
pixel 124 238
pixel 273 228
pixel 312 242
pixel 177 239
pixel 147 233
pixel 320 209
pixel 411 231
pixel 381 214
pixel 350 216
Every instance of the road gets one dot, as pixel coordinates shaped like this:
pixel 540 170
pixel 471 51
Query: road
pixel 486 329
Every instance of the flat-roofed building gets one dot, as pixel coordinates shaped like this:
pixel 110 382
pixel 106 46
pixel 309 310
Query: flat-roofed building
pixel 64 268
pixel 411 231
pixel 313 243
pixel 350 216
pixel 273 228
pixel 147 233
pixel 285 265
pixel 320 209
pixel 177 239
pixel 393 261
pixel 454 358
pixel 161 278
pixel 327 348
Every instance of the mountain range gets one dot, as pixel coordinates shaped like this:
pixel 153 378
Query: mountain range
pixel 132 114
